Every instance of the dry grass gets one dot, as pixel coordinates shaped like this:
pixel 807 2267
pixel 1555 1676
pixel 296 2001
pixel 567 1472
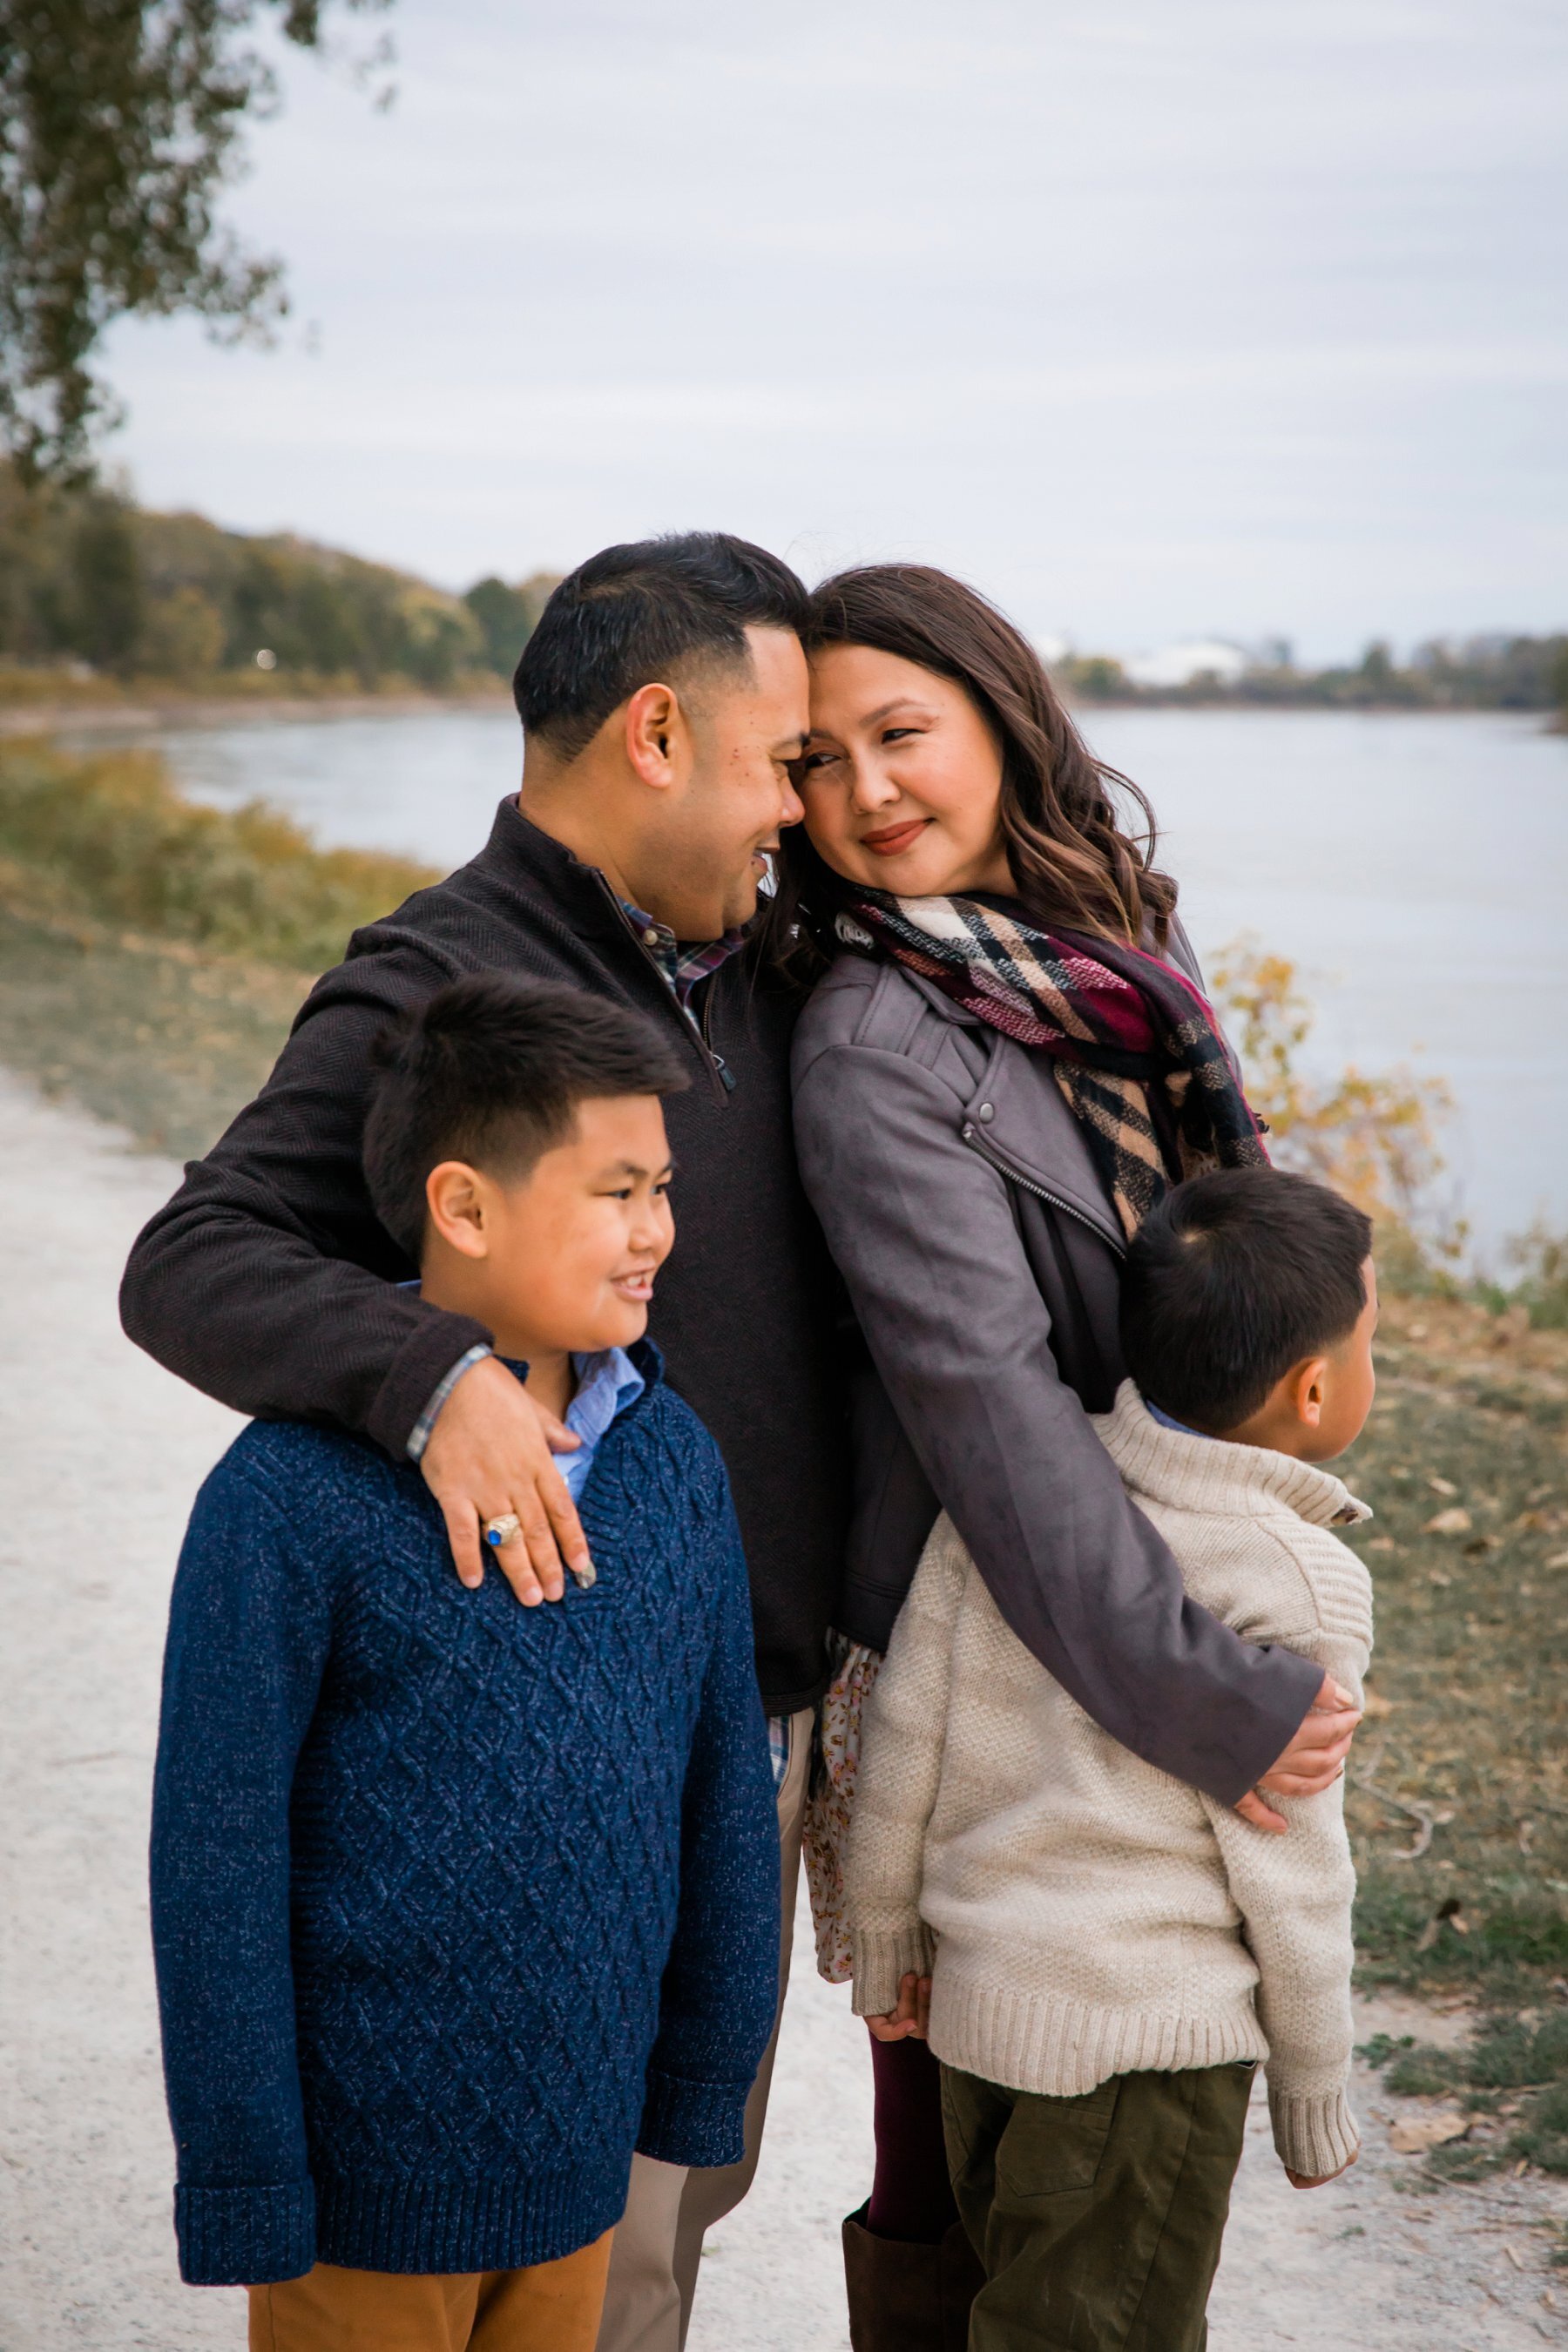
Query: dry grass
pixel 1466 1463
pixel 110 838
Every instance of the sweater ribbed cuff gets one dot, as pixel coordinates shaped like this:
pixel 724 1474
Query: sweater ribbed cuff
pixel 1315 2134
pixel 879 1956
pixel 692 2123
pixel 246 2237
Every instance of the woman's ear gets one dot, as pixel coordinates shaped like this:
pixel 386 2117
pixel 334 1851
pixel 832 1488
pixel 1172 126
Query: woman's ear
pixel 456 1197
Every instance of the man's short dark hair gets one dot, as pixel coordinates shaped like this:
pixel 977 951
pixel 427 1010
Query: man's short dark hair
pixel 1233 1278
pixel 490 1070
pixel 637 613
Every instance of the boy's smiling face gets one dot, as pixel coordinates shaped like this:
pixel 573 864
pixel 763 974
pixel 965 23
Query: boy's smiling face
pixel 562 1260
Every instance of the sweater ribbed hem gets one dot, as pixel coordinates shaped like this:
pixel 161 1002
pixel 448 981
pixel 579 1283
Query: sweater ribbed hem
pixel 1314 2134
pixel 246 2237
pixel 880 1957
pixel 693 2123
pixel 422 2226
pixel 1060 2049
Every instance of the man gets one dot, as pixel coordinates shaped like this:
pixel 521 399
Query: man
pixel 663 697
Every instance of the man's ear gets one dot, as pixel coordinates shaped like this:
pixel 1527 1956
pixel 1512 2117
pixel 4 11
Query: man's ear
pixel 657 737
pixel 456 1197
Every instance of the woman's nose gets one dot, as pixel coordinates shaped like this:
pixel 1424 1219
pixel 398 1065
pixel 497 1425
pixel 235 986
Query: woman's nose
pixel 870 788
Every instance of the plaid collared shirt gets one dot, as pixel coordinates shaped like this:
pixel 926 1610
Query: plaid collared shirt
pixel 682 967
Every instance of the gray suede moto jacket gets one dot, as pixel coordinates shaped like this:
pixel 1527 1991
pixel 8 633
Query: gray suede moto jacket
pixel 983 1259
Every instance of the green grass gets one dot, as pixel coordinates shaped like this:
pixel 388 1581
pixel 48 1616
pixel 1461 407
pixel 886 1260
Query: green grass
pixel 1469 1714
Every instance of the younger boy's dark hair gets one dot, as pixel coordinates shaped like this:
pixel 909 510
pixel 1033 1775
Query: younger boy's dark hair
pixel 490 1070
pixel 631 614
pixel 1233 1278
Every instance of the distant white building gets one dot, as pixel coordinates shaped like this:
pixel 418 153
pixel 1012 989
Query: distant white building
pixel 1195 657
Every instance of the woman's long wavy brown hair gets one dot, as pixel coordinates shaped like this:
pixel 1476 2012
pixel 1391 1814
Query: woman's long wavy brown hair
pixel 1073 860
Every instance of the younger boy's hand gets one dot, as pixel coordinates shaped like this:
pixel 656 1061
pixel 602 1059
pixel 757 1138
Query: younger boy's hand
pixel 912 2015
pixel 489 1452
pixel 1313 1761
pixel 1320 2180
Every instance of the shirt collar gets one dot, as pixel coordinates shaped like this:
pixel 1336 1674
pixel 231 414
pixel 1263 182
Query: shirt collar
pixel 1182 1428
pixel 683 965
pixel 608 1383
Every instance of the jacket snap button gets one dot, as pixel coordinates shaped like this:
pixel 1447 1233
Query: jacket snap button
pixel 986 1114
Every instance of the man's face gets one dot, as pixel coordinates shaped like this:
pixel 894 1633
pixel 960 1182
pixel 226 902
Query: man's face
pixel 709 848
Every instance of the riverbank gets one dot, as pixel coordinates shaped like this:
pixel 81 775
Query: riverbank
pixel 167 706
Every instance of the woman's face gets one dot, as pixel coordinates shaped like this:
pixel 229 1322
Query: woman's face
pixel 902 780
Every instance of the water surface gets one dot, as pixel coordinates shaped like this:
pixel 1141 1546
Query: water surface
pixel 1412 864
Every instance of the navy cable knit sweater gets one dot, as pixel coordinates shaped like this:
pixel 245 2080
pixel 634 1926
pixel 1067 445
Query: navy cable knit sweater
pixel 454 1901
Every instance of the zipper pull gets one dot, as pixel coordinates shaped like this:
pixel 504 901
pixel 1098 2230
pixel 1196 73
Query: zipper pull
pixel 723 1066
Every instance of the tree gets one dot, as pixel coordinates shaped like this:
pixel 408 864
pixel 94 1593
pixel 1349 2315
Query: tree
pixel 119 123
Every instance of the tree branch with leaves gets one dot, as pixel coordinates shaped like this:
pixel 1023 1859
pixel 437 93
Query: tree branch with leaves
pixel 119 128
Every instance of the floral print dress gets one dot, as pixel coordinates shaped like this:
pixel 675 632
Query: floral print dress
pixel 832 1799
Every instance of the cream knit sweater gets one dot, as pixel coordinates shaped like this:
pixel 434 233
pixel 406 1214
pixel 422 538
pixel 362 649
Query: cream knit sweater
pixel 1081 1914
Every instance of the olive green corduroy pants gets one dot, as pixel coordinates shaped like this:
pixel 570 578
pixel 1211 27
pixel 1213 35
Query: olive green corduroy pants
pixel 1098 2219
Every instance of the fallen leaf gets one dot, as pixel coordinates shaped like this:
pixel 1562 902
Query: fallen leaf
pixel 1416 2134
pixel 1442 1486
pixel 1558 1559
pixel 1455 1522
pixel 1436 1576
pixel 1376 1705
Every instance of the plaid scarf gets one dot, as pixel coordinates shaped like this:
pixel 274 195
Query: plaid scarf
pixel 1135 1047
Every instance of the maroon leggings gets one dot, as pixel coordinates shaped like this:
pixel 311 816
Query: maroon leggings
pixel 911 2198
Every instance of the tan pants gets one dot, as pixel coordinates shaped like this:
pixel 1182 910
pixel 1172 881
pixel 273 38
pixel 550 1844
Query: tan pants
pixel 658 2239
pixel 554 2307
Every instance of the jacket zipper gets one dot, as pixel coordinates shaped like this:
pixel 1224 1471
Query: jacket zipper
pixel 719 1072
pixel 1004 1167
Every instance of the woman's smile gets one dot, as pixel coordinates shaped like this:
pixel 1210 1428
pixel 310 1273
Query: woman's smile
pixel 892 838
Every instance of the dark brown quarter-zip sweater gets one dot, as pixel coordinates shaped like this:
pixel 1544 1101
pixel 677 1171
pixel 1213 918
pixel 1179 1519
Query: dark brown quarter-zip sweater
pixel 268 1283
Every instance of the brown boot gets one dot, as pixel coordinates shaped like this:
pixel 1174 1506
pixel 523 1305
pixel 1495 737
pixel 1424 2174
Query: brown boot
pixel 908 2298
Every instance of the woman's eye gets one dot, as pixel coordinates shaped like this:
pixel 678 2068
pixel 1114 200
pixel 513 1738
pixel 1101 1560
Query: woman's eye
pixel 815 759
pixel 897 734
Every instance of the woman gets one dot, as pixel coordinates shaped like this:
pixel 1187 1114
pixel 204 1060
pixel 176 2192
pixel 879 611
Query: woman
pixel 1006 1060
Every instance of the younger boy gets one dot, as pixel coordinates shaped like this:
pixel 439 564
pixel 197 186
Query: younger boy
pixel 1111 1953
pixel 455 1902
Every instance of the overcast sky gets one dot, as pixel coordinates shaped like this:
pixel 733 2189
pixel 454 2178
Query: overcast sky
pixel 1152 317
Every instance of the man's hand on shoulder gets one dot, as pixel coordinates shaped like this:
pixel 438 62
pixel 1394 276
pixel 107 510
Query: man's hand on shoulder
pixel 490 1454
pixel 1313 1761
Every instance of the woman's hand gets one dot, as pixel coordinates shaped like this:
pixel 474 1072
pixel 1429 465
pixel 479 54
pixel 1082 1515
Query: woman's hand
pixel 912 2015
pixel 1313 1761
pixel 489 1452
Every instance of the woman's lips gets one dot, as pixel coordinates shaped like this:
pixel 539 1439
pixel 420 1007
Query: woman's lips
pixel 888 843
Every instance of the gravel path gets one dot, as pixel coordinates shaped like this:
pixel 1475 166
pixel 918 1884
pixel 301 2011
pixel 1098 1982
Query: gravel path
pixel 100 1455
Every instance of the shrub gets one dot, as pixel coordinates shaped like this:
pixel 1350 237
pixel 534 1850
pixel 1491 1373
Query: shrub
pixel 117 841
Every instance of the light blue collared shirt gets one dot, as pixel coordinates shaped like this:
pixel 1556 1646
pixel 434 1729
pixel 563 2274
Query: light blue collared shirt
pixel 606 1384
pixel 1166 1422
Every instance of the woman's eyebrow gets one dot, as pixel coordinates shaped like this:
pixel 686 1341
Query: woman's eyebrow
pixel 885 709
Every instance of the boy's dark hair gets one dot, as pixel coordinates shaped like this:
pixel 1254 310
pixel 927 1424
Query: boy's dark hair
pixel 491 1070
pixel 1233 1278
pixel 632 614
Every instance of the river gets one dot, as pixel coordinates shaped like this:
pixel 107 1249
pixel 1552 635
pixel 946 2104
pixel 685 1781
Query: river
pixel 1413 865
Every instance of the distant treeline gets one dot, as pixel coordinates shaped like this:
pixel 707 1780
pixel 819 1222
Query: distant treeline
pixel 91 582
pixel 1485 673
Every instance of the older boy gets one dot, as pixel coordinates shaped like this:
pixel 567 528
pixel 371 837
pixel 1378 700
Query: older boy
pixel 456 1902
pixel 1109 1952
